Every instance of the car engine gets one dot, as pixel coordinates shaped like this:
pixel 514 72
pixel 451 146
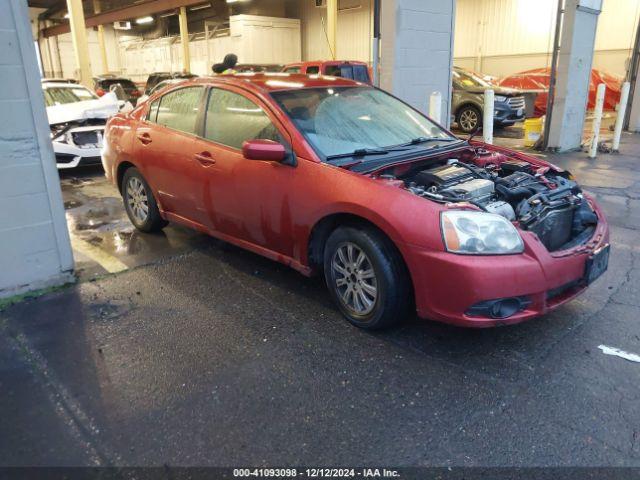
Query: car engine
pixel 546 203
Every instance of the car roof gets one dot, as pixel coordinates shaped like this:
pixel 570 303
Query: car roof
pixel 275 81
pixel 101 79
pixel 326 63
pixel 63 85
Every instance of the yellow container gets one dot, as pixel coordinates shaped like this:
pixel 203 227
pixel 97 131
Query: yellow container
pixel 532 131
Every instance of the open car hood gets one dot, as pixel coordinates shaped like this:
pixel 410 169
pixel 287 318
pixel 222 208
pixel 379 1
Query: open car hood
pixel 103 107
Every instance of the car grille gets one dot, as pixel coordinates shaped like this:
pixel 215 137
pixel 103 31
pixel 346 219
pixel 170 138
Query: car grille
pixel 91 161
pixel 88 139
pixel 64 157
pixel 516 102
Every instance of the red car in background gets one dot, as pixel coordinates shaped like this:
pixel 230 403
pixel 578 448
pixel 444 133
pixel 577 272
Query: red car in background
pixel 351 69
pixel 538 80
pixel 339 178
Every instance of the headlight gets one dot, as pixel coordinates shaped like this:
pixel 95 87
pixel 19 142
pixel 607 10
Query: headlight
pixel 499 98
pixel 479 233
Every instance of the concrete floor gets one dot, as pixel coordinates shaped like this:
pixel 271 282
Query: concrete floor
pixel 209 355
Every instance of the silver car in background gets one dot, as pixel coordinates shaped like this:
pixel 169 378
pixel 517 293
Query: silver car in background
pixel 467 102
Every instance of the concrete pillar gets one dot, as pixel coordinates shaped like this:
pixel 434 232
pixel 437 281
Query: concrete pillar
pixel 184 40
pixel 80 42
pixel 574 73
pixel 332 27
pixel 35 251
pixel 101 44
pixel 417 51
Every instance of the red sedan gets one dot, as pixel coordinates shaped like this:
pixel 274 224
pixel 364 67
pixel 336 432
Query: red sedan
pixel 333 176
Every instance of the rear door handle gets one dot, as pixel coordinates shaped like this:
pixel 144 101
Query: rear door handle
pixel 144 138
pixel 205 159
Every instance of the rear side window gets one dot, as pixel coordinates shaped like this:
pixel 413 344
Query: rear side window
pixel 333 70
pixel 232 118
pixel 313 70
pixel 354 72
pixel 179 109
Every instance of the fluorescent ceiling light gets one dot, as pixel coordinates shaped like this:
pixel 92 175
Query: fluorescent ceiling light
pixel 236 1
pixel 200 7
pixel 143 20
pixel 168 14
pixel 66 15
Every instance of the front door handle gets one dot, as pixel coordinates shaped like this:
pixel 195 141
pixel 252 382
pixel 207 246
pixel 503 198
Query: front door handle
pixel 205 159
pixel 144 138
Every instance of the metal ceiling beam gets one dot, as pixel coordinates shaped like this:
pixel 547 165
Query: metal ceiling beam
pixel 122 14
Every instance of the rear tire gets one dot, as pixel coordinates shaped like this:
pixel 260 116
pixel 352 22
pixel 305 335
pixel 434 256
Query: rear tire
pixel 139 202
pixel 367 278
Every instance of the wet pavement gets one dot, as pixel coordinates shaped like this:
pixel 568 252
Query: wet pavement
pixel 103 239
pixel 209 355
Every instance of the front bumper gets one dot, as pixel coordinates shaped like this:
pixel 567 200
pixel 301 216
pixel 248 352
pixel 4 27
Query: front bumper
pixel 506 115
pixel 448 285
pixel 70 154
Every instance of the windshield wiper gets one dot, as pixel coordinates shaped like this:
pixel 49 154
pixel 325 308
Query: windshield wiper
pixel 363 152
pixel 419 140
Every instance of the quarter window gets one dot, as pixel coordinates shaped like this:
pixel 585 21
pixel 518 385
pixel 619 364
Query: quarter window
pixel 153 111
pixel 232 118
pixel 179 109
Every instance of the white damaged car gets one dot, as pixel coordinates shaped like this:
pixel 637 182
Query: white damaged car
pixel 77 118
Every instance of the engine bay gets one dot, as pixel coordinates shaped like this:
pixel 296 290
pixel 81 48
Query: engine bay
pixel 538 199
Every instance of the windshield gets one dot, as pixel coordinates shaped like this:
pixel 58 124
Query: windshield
pixel 62 95
pixel 468 79
pixel 340 120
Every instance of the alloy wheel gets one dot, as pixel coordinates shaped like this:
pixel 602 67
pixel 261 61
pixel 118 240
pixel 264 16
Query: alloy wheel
pixel 354 279
pixel 137 199
pixel 468 120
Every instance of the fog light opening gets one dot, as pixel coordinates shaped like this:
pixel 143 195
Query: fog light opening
pixel 500 308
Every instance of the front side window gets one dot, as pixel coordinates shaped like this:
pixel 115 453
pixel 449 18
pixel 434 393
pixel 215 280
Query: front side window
pixel 292 70
pixel 179 109
pixel 340 120
pixel 233 118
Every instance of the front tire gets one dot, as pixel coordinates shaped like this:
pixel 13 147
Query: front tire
pixel 140 203
pixel 469 118
pixel 366 278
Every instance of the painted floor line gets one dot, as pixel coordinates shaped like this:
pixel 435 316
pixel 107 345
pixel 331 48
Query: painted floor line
pixel 632 357
pixel 110 263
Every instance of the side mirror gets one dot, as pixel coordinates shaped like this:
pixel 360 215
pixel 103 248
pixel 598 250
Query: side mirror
pixel 264 150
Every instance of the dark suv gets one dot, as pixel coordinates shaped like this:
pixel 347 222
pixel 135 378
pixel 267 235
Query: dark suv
pixel 157 77
pixel 104 83
pixel 467 103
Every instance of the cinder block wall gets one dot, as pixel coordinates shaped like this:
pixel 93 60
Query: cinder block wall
pixel 417 50
pixel 34 242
